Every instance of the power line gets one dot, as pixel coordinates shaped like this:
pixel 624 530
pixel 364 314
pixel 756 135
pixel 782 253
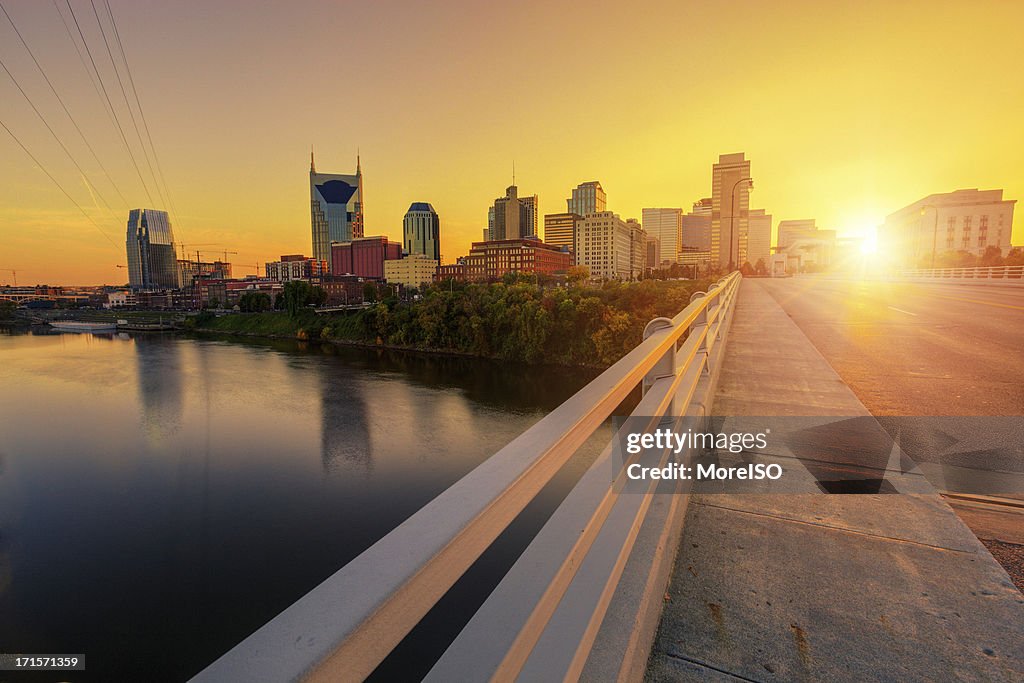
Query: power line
pixel 81 57
pixel 138 103
pixel 64 106
pixel 59 186
pixel 106 96
pixel 56 137
pixel 128 106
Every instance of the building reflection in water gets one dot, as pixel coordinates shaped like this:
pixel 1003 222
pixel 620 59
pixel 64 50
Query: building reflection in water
pixel 160 375
pixel 344 433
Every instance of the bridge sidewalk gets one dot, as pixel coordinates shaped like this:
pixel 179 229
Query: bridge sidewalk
pixel 814 587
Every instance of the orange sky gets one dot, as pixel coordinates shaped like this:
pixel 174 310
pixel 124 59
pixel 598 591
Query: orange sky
pixel 847 111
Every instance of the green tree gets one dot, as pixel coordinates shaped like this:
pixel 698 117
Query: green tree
pixel 297 295
pixel 254 302
pixel 7 309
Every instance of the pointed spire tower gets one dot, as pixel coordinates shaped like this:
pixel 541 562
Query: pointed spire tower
pixel 312 164
pixel 358 222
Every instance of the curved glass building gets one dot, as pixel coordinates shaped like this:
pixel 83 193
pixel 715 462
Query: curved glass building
pixel 152 263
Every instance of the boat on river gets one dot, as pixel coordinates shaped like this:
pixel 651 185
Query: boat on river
pixel 82 326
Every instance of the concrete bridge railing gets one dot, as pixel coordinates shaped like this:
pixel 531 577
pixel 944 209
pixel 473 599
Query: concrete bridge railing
pixel 584 598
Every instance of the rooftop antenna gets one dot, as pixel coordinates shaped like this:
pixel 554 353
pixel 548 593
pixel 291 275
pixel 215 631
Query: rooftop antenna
pixel 513 172
pixel 359 168
pixel 312 166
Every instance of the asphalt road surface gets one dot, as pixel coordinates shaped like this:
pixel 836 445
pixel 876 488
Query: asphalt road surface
pixel 927 349
pixel 915 349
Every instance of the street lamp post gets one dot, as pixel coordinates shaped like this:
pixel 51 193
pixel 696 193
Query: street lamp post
pixel 732 210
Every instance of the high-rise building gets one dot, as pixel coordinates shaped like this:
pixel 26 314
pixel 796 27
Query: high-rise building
pixel 529 224
pixel 152 262
pixel 730 204
pixel 697 226
pixel 560 228
pixel 653 252
pixel 759 238
pixel 638 249
pixel 512 217
pixel 605 245
pixel 667 226
pixel 696 235
pixel 587 198
pixel 421 231
pixel 336 208
pixel 965 220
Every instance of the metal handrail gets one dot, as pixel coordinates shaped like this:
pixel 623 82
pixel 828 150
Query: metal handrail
pixel 347 625
pixel 984 273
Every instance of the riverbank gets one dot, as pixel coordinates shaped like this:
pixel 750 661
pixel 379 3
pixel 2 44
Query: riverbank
pixel 575 326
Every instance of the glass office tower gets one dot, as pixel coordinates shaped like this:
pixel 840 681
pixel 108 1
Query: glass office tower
pixel 152 263
pixel 336 208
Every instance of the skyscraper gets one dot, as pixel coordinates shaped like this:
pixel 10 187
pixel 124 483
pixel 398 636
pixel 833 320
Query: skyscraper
pixel 759 238
pixel 421 231
pixel 336 208
pixel 560 229
pixel 587 198
pixel 512 217
pixel 697 226
pixel 152 263
pixel 667 226
pixel 730 205
pixel 529 225
pixel 605 245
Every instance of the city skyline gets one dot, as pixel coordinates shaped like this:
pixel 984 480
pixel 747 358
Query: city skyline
pixel 837 133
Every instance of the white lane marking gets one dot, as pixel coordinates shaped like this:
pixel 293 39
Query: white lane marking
pixel 902 311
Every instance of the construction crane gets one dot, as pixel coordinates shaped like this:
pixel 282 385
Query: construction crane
pixel 184 251
pixel 226 252
pixel 13 272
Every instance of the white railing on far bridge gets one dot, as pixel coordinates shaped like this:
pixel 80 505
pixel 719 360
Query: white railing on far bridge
pixel 979 275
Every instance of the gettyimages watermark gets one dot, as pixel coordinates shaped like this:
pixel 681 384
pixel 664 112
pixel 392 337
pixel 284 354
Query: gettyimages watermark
pixel 824 455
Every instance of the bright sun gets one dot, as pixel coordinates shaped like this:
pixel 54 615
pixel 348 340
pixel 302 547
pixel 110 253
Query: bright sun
pixel 870 243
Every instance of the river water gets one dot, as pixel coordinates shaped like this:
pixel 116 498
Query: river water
pixel 161 496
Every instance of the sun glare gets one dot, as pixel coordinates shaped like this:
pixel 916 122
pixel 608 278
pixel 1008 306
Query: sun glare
pixel 869 245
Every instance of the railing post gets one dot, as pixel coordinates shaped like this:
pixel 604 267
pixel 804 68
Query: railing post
pixel 666 365
pixel 701 321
